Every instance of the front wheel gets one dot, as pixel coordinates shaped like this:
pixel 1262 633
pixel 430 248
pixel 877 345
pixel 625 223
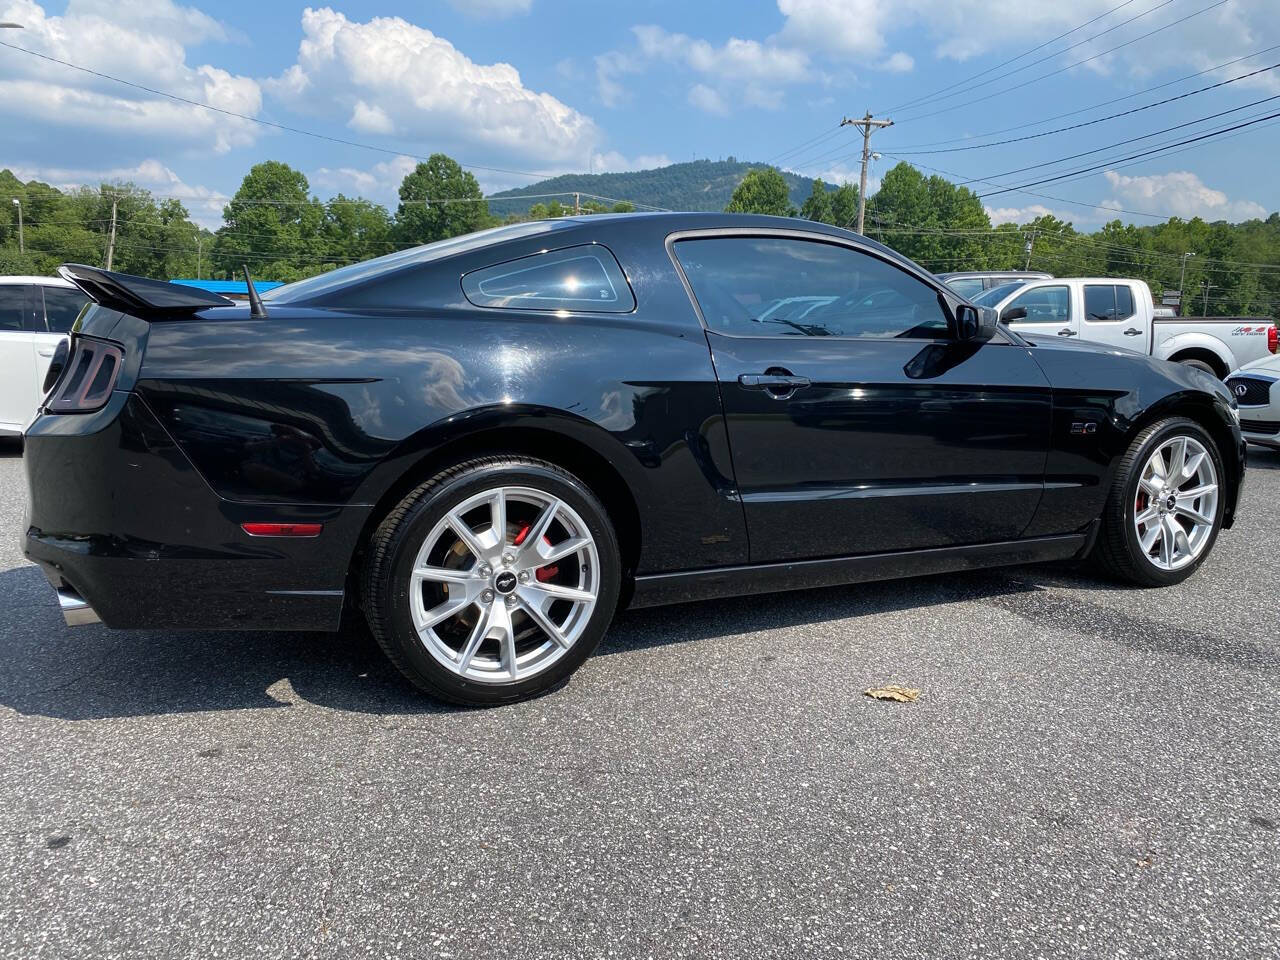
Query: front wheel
pixel 493 581
pixel 1165 507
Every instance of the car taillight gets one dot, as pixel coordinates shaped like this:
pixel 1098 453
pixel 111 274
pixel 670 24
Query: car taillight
pixel 88 377
pixel 1272 337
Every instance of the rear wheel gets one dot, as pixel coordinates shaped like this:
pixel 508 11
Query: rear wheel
pixel 1165 507
pixel 1200 365
pixel 493 581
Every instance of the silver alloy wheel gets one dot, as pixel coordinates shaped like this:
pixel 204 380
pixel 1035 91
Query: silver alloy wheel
pixel 1176 505
pixel 504 584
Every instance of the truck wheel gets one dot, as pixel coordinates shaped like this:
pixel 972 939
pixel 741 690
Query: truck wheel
pixel 493 581
pixel 1201 365
pixel 1164 510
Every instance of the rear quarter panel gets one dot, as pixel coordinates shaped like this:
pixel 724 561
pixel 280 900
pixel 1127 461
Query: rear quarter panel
pixel 337 405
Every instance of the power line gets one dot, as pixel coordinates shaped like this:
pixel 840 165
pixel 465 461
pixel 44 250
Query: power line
pixel 1058 53
pixel 1088 123
pixel 1095 106
pixel 1136 156
pixel 1054 73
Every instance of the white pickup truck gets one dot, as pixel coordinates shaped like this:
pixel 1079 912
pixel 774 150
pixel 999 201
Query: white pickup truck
pixel 1121 313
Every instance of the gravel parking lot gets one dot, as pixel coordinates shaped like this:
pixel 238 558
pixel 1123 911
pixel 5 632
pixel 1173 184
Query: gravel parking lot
pixel 1091 771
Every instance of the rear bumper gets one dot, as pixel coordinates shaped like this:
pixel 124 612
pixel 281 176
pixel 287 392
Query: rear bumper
pixel 128 532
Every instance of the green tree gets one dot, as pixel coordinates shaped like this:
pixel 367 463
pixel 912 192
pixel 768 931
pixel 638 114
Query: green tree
pixel 438 200
pixel 356 229
pixel 762 190
pixel 844 206
pixel 817 206
pixel 272 224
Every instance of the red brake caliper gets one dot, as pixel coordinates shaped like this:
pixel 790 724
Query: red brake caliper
pixel 542 573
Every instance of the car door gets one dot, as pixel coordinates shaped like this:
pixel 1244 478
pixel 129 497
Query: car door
pixel 1043 309
pixel 1110 316
pixel 856 423
pixel 17 357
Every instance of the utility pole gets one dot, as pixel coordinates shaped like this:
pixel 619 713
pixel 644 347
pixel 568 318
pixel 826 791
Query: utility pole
pixel 866 125
pixel 1182 283
pixel 1207 287
pixel 577 204
pixel 199 245
pixel 1031 242
pixel 111 244
pixel 22 247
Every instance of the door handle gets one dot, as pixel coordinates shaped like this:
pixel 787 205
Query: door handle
pixel 45 353
pixel 778 384
pixel 1066 332
pixel 1133 332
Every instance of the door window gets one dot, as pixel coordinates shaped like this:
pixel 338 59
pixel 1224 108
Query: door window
pixel 13 299
pixel 787 287
pixel 61 307
pixel 1124 302
pixel 1100 302
pixel 1044 305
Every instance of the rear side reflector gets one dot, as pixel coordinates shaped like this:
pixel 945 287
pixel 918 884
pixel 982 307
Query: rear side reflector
pixel 88 377
pixel 282 529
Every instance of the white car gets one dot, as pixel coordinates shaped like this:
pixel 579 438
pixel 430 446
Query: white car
pixel 35 313
pixel 1256 392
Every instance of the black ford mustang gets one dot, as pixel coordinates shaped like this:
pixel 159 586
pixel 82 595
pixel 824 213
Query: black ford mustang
pixel 488 445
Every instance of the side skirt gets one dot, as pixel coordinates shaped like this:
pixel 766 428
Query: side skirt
pixel 658 589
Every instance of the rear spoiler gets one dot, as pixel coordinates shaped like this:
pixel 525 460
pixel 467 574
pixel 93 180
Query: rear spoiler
pixel 138 295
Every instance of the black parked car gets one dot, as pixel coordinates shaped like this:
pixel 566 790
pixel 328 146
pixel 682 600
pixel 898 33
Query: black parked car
pixel 489 445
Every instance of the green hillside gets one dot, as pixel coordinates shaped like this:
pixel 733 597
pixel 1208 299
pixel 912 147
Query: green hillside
pixel 697 185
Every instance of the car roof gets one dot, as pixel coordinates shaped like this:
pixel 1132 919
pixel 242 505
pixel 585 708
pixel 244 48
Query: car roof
pixel 599 228
pixel 976 274
pixel 42 281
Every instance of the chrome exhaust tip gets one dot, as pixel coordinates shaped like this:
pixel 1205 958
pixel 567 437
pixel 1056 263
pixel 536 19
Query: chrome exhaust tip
pixel 75 609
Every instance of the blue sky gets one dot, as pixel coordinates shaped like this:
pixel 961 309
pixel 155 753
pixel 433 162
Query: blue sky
pixel 545 87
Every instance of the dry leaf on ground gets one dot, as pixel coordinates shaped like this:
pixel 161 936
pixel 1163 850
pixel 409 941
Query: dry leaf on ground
pixel 895 693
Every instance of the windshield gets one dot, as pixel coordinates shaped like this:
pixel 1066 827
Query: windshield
pixel 989 298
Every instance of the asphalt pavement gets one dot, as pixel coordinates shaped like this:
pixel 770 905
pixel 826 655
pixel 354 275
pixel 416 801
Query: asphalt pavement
pixel 1090 771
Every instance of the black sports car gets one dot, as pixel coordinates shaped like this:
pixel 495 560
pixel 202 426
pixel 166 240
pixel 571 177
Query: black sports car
pixel 487 446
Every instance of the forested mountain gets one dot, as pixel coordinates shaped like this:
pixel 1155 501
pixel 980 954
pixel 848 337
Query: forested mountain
pixel 696 185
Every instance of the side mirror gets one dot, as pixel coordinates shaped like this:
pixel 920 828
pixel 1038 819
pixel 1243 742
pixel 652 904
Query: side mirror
pixel 1014 313
pixel 975 324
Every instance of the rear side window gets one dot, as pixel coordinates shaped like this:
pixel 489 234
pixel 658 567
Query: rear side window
pixel 787 287
pixel 13 298
pixel 61 307
pixel 1106 303
pixel 584 279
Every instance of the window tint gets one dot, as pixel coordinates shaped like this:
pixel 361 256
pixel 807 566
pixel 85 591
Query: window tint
pixel 967 287
pixel 989 298
pixel 585 278
pixel 1124 302
pixel 1044 305
pixel 13 298
pixel 61 307
pixel 782 287
pixel 1099 302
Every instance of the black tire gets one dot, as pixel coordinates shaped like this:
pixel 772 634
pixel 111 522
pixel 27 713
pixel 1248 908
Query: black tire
pixel 1202 365
pixel 1118 550
pixel 393 548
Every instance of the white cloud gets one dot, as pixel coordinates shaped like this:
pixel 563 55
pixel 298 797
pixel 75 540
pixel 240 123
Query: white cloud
pixel 381 182
pixel 393 77
pixel 145 42
pixel 204 204
pixel 707 100
pixel 1025 214
pixel 898 63
pixel 615 162
pixel 491 8
pixel 1179 194
pixel 845 27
